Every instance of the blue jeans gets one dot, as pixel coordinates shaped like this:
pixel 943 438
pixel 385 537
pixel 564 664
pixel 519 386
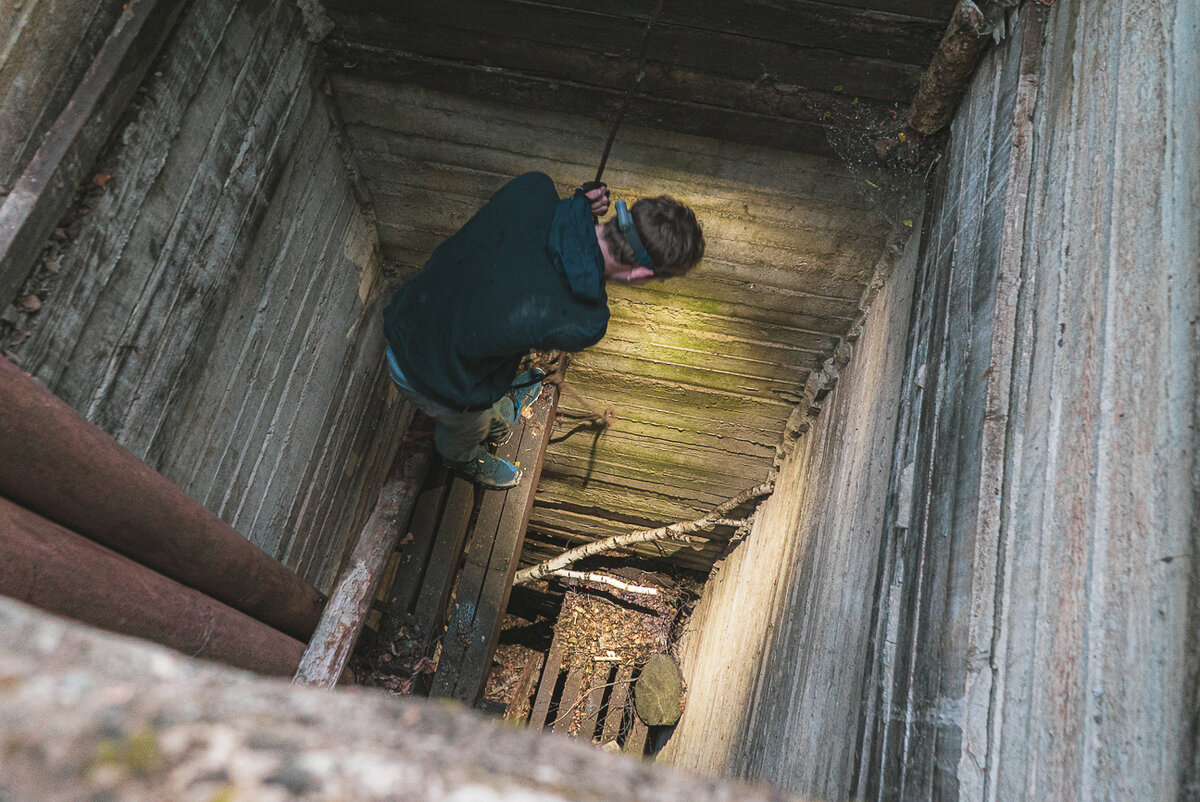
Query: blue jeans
pixel 459 436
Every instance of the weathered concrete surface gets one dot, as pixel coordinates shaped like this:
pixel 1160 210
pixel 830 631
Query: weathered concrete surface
pixel 85 715
pixel 773 653
pixel 701 371
pixel 214 307
pixel 45 47
pixel 1038 617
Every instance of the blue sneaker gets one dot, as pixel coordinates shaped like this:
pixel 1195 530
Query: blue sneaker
pixel 488 471
pixel 526 389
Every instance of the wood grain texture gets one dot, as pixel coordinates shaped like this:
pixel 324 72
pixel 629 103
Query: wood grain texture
pixel 493 552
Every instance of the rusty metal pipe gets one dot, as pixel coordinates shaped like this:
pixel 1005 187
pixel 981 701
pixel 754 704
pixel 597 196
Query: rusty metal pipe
pixel 57 570
pixel 64 468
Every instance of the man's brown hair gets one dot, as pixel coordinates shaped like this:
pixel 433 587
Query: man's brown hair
pixel 669 231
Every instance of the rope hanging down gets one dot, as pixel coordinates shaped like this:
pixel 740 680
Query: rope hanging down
pixel 641 71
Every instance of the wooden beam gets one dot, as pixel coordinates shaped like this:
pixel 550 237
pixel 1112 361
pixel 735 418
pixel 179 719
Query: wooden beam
pixel 616 704
pixel 492 557
pixel 545 691
pixel 414 556
pixel 331 645
pixel 518 709
pixel 42 193
pixel 949 74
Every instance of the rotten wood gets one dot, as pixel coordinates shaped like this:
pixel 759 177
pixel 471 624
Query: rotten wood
pixel 593 697
pixel 678 532
pixel 413 557
pixel 331 645
pixel 569 701
pixel 949 74
pixel 519 708
pixel 39 197
pixel 616 704
pixel 545 691
pixel 635 742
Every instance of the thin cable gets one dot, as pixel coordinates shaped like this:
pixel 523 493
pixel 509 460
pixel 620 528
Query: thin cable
pixel 641 68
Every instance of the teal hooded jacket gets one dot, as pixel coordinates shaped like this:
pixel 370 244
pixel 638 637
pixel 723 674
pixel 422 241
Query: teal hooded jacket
pixel 525 272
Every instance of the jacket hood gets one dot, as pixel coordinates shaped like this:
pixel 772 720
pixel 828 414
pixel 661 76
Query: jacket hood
pixel 574 249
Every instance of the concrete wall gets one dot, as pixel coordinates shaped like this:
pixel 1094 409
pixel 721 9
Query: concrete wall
pixel 1023 617
pixel 211 305
pixel 45 47
pixel 1037 628
pixel 773 653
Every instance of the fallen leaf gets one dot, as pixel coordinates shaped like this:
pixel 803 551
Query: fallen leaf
pixel 407 539
pixel 10 315
pixel 425 666
pixel 100 179
pixel 29 303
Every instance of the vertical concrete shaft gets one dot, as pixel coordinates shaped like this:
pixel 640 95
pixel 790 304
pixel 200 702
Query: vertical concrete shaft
pixel 64 468
pixel 53 568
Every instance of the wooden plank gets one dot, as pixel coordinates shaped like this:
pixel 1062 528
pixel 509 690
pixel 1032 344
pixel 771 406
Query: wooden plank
pixel 518 705
pixel 616 704
pixel 46 186
pixel 594 697
pixel 429 612
pixel 549 681
pixel 491 561
pixel 409 181
pixel 413 557
pixel 568 705
pixel 331 645
pixel 635 742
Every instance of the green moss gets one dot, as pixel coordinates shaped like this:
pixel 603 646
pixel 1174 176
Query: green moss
pixel 138 754
pixel 226 793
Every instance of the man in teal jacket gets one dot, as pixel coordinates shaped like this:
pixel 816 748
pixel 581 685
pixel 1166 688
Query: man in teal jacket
pixel 526 272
